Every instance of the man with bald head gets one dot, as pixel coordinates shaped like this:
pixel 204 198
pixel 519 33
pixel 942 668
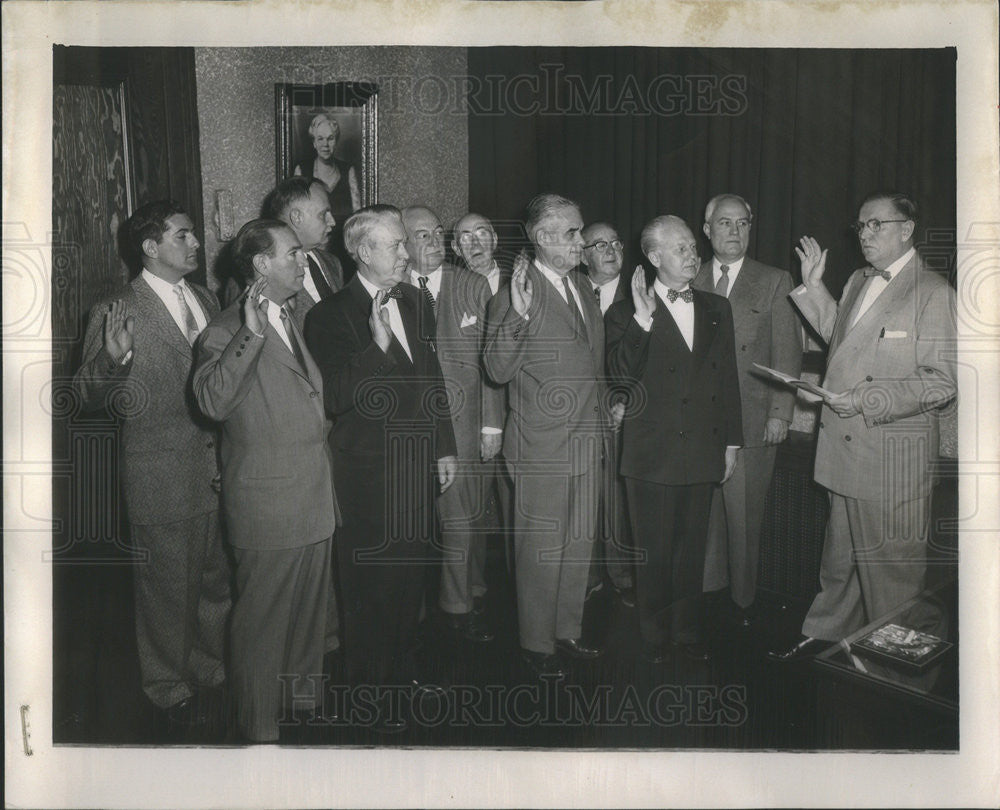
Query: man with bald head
pixel 546 342
pixel 458 300
pixel 603 255
pixel 767 332
pixel 674 347
pixel 475 242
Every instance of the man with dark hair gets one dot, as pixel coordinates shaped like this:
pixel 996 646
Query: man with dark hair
pixel 255 376
pixel 303 204
pixel 891 366
pixel 137 360
pixel 382 382
pixel 546 342
pixel 674 346
pixel 458 299
pixel 767 332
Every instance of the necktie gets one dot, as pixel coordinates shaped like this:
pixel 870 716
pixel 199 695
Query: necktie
pixel 722 287
pixel 685 295
pixel 581 327
pixel 324 289
pixel 871 271
pixel 191 329
pixel 597 294
pixel 393 292
pixel 296 349
pixel 428 295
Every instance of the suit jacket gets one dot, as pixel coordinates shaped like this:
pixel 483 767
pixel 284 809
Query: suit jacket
pixel 766 332
pixel 900 358
pixel 168 447
pixel 277 488
pixel 371 392
pixel 684 405
pixel 460 329
pixel 556 386
pixel 329 266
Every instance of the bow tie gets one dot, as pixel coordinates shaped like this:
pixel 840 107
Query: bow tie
pixel 393 292
pixel 871 271
pixel 687 296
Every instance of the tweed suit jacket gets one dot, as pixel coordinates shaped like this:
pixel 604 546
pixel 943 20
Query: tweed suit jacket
pixel 684 406
pixel 277 486
pixel 766 332
pixel 558 410
pixel 460 329
pixel 168 447
pixel 329 266
pixel 900 359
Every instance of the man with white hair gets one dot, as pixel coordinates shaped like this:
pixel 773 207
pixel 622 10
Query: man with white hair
pixel 767 332
pixel 546 341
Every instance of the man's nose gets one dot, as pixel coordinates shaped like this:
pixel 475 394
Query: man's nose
pixel 195 244
pixel 329 219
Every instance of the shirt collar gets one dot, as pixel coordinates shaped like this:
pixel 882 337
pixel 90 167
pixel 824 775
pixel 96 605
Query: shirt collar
pixel 549 273
pixel 900 263
pixel 661 288
pixel 161 286
pixel 432 276
pixel 734 267
pixel 369 287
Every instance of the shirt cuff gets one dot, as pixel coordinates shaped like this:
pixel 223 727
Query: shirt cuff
pixel 491 431
pixel 645 324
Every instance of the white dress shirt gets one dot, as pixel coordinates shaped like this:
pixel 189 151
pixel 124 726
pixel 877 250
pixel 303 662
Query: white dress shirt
pixel 734 271
pixel 165 292
pixel 395 319
pixel 493 278
pixel 876 284
pixel 307 281
pixel 607 292
pixel 680 310
pixel 274 318
pixel 433 281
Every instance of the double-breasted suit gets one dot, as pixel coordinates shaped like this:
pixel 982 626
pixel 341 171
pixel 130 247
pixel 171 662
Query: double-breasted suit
pixel 460 313
pixel 169 461
pixel 682 414
pixel 899 358
pixel 391 424
pixel 280 507
pixel 766 331
pixel 554 441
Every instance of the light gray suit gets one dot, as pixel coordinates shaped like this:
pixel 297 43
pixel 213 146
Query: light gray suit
pixel 766 332
pixel 277 493
pixel 878 464
pixel 168 465
pixel 554 442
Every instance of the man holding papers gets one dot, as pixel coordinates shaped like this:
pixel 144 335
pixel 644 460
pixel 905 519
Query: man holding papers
pixel 891 361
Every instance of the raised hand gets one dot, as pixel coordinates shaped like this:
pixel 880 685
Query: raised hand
pixel 119 331
pixel 378 321
pixel 642 296
pixel 520 285
pixel 813 261
pixel 255 307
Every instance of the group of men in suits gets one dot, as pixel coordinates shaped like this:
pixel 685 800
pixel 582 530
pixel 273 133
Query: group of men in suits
pixel 363 426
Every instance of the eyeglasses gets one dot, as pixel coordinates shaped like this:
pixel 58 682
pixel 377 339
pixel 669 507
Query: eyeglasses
pixel 874 225
pixel 602 245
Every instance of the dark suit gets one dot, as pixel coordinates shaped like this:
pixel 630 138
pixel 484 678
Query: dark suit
pixel 277 493
pixel 168 463
pixel 329 266
pixel 460 325
pixel 391 425
pixel 682 413
pixel 767 332
pixel 553 443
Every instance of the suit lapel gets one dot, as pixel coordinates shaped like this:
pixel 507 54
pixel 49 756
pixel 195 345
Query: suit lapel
pixel 745 292
pixel 159 321
pixel 706 321
pixel 864 330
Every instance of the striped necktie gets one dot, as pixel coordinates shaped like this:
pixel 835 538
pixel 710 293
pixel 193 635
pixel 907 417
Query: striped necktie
pixel 191 329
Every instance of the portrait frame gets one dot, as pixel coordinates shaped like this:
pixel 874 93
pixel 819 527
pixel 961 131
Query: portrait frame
pixel 354 105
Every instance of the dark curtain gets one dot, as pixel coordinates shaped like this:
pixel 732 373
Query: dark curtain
pixel 632 133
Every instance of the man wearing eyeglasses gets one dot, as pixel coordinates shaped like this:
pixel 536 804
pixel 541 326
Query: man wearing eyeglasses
pixel 767 332
pixel 891 365
pixel 602 257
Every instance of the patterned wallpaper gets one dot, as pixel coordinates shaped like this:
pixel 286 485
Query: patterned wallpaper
pixel 423 131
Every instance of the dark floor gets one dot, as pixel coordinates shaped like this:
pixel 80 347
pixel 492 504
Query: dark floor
pixel 739 700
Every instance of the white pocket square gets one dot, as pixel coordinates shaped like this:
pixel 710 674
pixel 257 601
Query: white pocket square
pixel 890 335
pixel 468 320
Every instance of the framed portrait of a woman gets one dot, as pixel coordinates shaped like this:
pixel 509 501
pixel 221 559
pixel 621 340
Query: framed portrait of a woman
pixel 330 132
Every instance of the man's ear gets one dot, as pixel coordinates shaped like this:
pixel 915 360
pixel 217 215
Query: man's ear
pixel 295 216
pixel 541 236
pixel 707 230
pixel 908 228
pixel 364 253
pixel 151 248
pixel 260 264
pixel 654 260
